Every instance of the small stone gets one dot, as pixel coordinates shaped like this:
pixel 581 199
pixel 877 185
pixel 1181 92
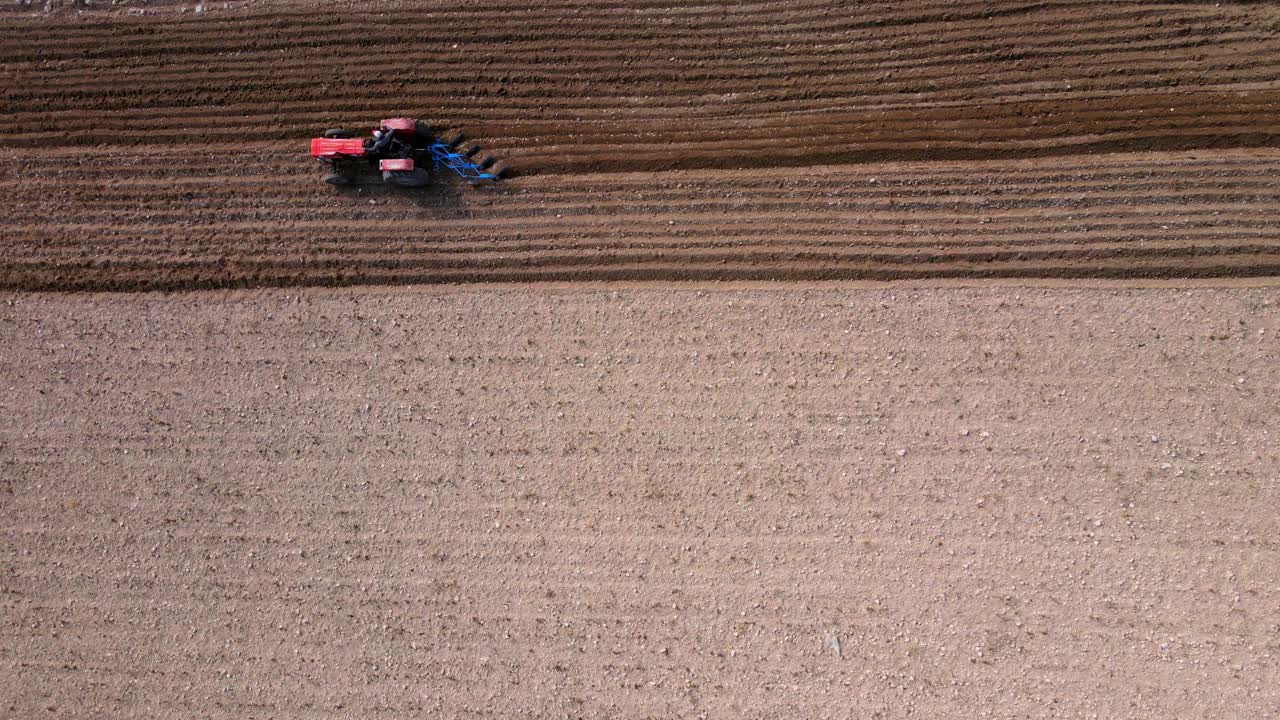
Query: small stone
pixel 833 644
pixel 902 453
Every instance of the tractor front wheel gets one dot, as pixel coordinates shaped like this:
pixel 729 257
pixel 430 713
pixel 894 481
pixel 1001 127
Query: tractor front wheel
pixel 337 133
pixel 337 179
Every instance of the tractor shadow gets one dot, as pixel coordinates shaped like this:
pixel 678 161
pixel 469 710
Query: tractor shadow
pixel 444 197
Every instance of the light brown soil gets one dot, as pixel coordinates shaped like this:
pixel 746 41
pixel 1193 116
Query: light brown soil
pixel 1000 503
pixel 814 140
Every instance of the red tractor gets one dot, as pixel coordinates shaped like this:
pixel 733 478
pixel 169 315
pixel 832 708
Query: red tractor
pixel 402 149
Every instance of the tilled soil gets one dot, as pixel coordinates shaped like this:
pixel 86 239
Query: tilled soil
pixel 195 223
pixel 150 146
pixel 640 503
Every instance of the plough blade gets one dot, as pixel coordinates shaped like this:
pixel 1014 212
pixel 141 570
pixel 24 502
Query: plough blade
pixel 443 155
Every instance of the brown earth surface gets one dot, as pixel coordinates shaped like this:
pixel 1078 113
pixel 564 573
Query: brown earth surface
pixel 634 497
pixel 646 503
pixel 148 146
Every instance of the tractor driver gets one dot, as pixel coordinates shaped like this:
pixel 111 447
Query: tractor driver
pixel 382 141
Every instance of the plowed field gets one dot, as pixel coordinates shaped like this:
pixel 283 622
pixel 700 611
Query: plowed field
pixel 591 484
pixel 154 147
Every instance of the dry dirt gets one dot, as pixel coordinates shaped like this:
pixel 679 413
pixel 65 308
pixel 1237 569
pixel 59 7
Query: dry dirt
pixel 593 483
pixel 147 146
pixel 641 503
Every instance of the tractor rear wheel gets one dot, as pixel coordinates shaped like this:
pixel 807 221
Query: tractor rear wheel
pixel 337 179
pixel 337 133
pixel 423 133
